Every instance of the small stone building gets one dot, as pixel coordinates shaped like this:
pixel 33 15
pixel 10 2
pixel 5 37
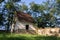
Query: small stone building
pixel 24 22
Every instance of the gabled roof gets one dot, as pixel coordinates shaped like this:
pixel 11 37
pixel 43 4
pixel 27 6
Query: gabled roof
pixel 24 17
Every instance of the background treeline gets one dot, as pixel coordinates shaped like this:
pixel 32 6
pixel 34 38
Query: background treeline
pixel 45 14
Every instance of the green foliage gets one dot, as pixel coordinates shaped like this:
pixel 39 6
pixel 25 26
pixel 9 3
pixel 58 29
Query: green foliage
pixel 34 6
pixel 1 1
pixel 58 7
pixel 1 16
pixel 29 37
pixel 9 6
pixel 46 10
pixel 47 17
pixel 24 7
pixel 1 19
pixel 41 8
pixel 16 0
pixel 58 1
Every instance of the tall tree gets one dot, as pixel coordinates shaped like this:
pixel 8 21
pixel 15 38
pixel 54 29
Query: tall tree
pixel 10 8
pixel 46 11
pixel 1 13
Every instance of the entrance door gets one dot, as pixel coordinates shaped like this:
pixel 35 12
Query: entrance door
pixel 27 27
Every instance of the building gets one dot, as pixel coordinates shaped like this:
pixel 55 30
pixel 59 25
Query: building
pixel 24 22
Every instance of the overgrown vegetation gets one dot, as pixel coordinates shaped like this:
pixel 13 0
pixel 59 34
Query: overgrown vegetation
pixel 26 37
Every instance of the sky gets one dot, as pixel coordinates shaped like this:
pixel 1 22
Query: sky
pixel 36 1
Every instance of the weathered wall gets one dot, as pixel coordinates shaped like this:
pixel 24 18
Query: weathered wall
pixel 22 25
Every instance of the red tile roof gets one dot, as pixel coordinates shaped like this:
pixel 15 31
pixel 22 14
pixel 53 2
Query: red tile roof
pixel 24 17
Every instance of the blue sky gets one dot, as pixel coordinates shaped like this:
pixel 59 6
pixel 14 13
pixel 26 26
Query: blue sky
pixel 36 1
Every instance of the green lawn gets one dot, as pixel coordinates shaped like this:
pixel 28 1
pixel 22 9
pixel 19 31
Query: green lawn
pixel 26 37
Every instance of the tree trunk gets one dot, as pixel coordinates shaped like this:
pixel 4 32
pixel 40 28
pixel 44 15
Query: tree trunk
pixel 14 23
pixel 12 27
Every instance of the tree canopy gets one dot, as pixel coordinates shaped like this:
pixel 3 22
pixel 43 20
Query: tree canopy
pixel 44 14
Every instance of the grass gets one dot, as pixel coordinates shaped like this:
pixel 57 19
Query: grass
pixel 7 36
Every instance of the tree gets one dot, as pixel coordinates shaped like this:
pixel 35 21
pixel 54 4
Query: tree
pixel 48 13
pixel 24 7
pixel 10 8
pixel 1 14
pixel 1 19
pixel 34 10
pixel 12 16
pixel 34 7
pixel 46 10
pixel 58 7
pixel 1 1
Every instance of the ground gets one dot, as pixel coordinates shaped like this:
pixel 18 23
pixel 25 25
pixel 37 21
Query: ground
pixel 8 36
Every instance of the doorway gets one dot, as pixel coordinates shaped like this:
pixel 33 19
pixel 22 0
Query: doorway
pixel 27 27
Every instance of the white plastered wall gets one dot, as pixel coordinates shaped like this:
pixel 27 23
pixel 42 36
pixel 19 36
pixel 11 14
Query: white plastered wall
pixel 22 25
